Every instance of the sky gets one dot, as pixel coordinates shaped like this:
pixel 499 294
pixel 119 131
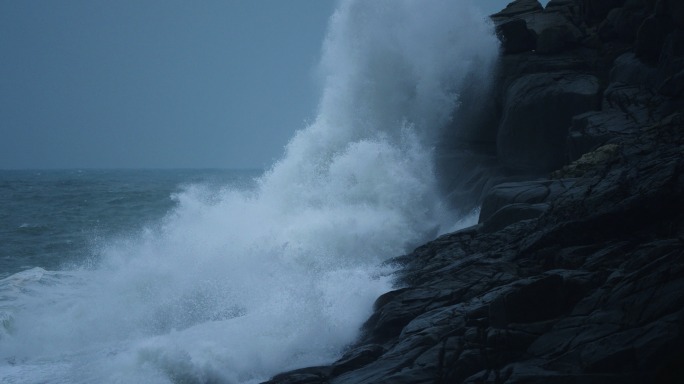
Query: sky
pixel 158 83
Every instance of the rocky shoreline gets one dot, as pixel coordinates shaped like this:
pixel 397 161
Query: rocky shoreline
pixel 575 272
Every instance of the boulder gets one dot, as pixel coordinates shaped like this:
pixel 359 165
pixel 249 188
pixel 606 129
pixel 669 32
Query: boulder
pixel 588 131
pixel 554 31
pixel 626 22
pixel 569 8
pixel 468 172
pixel 518 7
pixel 672 54
pixel 357 358
pixel 629 69
pixel 651 36
pixel 535 300
pixel 511 214
pixel 515 37
pixel 592 39
pixel 626 108
pixel 551 5
pixel 309 375
pixel 585 163
pixel 558 37
pixel 551 40
pixel 630 103
pixel 537 114
pixel 539 22
pixel 598 9
pixel 606 32
pixel 516 65
pixel 673 85
pixel 526 192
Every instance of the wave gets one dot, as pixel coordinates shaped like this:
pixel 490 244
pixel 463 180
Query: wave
pixel 238 285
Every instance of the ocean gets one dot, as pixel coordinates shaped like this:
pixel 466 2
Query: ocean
pixel 55 219
pixel 234 276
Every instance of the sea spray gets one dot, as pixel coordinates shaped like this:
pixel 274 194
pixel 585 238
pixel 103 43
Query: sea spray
pixel 239 285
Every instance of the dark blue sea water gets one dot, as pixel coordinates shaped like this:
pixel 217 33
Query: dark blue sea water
pixel 55 219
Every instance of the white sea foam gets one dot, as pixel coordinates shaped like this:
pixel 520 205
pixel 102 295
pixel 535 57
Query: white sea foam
pixel 238 286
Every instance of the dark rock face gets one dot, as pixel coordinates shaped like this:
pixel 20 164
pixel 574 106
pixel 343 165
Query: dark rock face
pixel 510 214
pixel 635 51
pixel 515 37
pixel 520 7
pixel 576 277
pixel 651 36
pixel 675 9
pixel 672 86
pixel 630 102
pixel 540 21
pixel 357 358
pixel 473 171
pixel 598 9
pixel 538 111
pixel 527 192
pixel 551 40
pixel 628 69
pixel 626 21
pixel 672 54
pixel 592 291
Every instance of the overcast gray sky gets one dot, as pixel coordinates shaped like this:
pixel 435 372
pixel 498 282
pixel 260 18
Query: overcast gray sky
pixel 158 83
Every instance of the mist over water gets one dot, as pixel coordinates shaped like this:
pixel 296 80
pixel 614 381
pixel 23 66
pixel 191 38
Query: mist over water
pixel 241 284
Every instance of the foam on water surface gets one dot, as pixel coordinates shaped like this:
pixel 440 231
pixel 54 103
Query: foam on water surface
pixel 236 285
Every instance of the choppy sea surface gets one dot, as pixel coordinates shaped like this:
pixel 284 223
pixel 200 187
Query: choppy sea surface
pixel 56 219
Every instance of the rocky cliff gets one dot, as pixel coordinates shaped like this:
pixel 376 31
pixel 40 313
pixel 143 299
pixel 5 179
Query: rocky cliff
pixel 573 277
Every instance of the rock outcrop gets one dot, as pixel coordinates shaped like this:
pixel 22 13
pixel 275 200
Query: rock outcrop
pixel 592 290
pixel 527 192
pixel 573 277
pixel 538 110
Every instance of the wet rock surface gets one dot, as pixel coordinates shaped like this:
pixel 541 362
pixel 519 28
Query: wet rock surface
pixel 526 192
pixel 538 111
pixel 515 36
pixel 576 276
pixel 592 290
